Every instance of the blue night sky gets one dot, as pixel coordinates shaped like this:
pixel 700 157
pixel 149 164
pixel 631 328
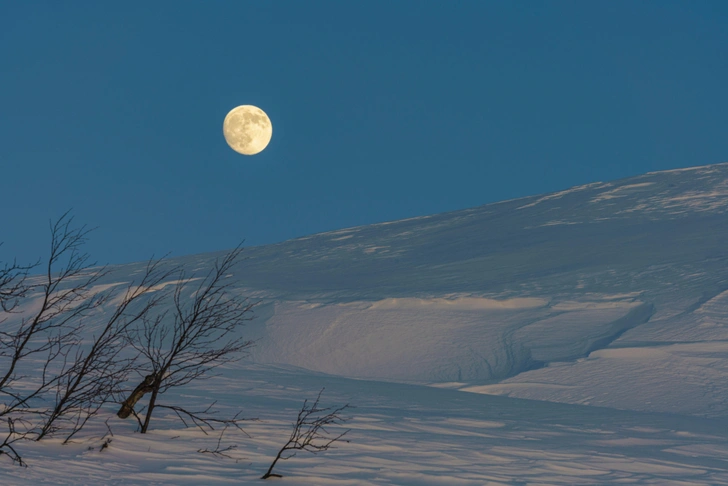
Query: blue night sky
pixel 381 110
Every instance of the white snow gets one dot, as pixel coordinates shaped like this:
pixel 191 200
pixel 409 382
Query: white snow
pixel 400 434
pixel 485 346
pixel 559 194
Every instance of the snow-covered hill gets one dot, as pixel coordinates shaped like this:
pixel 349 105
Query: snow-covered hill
pixel 401 435
pixel 554 297
pixel 608 295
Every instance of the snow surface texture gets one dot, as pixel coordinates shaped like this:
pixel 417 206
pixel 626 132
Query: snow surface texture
pixel 401 435
pixel 604 295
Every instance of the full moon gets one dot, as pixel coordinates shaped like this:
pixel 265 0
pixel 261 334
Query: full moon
pixel 247 129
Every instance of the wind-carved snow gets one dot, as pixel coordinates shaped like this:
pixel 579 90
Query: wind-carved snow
pixel 604 295
pixel 560 194
pixel 558 223
pixel 704 169
pixel 621 191
pixel 579 245
pixel 688 201
pixel 686 378
pixel 440 340
pixel 400 434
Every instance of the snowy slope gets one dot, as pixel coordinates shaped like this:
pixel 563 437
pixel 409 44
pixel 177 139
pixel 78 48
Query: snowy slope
pixel 439 340
pixel 523 293
pixel 605 295
pixel 530 291
pixel 401 435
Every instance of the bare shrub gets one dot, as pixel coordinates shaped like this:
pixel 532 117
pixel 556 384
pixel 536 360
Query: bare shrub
pixel 310 432
pixel 94 374
pixel 184 344
pixel 45 354
pixel 7 448
pixel 49 333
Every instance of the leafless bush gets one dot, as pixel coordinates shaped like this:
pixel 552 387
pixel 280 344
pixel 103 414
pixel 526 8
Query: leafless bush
pixel 13 285
pixel 310 432
pixel 220 451
pixel 94 374
pixel 7 448
pixel 193 338
pixel 51 331
pixel 55 376
pixel 44 357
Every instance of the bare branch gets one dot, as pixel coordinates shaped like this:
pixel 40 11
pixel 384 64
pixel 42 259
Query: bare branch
pixel 64 299
pixel 95 374
pixel 195 336
pixel 7 448
pixel 205 419
pixel 13 285
pixel 220 451
pixel 310 432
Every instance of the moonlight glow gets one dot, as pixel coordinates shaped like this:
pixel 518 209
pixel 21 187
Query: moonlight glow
pixel 247 129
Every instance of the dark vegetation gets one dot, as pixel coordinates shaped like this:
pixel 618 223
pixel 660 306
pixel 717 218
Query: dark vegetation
pixel 310 432
pixel 70 346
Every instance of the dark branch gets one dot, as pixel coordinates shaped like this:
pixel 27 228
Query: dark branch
pixel 218 450
pixel 190 339
pixel 310 432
